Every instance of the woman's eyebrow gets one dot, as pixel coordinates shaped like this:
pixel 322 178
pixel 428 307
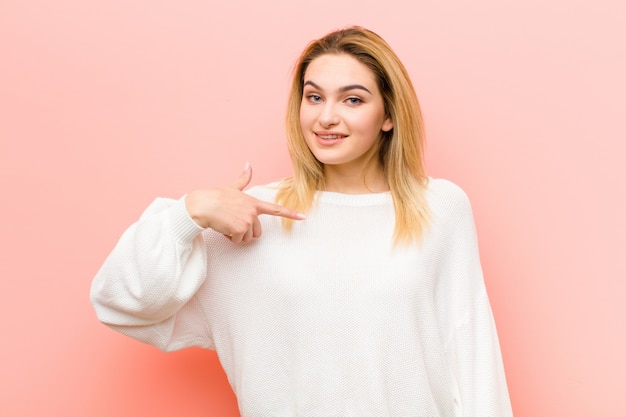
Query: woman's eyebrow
pixel 342 89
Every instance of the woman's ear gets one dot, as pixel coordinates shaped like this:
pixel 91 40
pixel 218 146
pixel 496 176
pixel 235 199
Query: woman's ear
pixel 387 124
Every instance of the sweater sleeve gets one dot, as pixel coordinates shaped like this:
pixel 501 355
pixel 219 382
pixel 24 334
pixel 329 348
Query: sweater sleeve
pixel 146 287
pixel 473 349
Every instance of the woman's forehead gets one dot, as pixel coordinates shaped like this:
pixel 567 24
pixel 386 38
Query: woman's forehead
pixel 337 71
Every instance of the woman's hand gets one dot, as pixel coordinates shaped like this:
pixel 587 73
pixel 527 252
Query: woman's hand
pixel 232 212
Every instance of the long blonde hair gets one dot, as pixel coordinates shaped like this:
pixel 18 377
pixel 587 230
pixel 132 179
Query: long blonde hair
pixel 401 150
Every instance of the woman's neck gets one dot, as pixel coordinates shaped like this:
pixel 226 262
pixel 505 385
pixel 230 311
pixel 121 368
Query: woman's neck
pixel 350 180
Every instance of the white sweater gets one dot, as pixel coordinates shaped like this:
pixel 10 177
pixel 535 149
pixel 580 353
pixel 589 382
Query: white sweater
pixel 327 320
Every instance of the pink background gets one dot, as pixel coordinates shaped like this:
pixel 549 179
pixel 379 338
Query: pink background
pixel 105 105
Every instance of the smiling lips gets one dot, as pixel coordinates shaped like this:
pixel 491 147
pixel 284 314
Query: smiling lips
pixel 329 138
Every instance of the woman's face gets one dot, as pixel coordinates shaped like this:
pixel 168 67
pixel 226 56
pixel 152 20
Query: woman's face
pixel 342 113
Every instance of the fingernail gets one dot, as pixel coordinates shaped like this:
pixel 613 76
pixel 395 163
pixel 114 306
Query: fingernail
pixel 301 216
pixel 246 166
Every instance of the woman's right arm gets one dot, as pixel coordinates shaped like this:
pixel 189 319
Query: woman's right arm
pixel 148 282
pixel 151 277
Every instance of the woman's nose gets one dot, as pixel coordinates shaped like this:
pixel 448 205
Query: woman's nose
pixel 328 116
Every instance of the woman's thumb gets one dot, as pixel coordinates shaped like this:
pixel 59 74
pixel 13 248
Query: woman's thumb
pixel 243 181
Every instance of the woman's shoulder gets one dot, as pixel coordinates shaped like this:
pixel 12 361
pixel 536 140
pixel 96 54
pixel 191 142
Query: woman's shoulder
pixel 446 196
pixel 443 188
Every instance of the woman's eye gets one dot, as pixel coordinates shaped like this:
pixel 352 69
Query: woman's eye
pixel 314 98
pixel 354 101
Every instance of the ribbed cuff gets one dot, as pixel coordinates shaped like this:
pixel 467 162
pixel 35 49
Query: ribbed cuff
pixel 184 229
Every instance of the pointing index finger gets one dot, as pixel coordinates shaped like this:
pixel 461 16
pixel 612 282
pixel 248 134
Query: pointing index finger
pixel 264 207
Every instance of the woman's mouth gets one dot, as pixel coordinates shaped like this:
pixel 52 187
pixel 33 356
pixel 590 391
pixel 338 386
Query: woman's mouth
pixel 329 138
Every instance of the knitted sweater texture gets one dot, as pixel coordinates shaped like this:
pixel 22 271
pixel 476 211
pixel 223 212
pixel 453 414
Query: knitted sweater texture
pixel 329 319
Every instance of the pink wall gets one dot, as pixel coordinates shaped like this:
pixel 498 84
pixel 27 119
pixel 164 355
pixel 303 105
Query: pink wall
pixel 105 105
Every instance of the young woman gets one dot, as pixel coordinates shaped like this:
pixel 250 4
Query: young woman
pixel 353 288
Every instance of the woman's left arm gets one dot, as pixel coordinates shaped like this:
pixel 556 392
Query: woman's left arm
pixel 472 345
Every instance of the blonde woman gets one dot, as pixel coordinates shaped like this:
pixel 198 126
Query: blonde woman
pixel 353 288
